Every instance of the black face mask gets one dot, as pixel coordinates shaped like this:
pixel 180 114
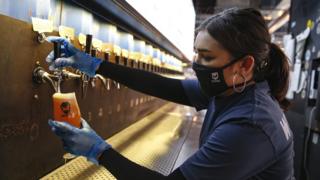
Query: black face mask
pixel 211 80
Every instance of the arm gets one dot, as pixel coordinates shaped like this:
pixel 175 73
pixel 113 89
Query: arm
pixel 143 81
pixel 122 168
pixel 86 142
pixel 233 151
pixel 146 82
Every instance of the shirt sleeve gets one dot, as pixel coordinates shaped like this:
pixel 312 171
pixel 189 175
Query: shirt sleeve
pixel 146 82
pixel 123 168
pixel 195 95
pixel 231 152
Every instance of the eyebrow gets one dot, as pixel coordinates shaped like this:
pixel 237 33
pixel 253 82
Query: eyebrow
pixel 202 50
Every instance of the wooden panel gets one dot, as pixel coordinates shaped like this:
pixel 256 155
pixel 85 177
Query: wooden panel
pixel 28 148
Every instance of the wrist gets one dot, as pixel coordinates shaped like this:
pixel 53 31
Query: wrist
pixel 100 154
pixel 95 64
pixel 101 69
pixel 97 150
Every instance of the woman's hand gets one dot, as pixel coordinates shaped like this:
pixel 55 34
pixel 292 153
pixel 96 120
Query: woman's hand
pixel 84 141
pixel 72 57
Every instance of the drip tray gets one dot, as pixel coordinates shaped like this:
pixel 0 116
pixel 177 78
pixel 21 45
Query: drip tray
pixel 154 142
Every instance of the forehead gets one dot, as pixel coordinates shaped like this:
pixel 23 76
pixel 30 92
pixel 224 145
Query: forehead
pixel 205 41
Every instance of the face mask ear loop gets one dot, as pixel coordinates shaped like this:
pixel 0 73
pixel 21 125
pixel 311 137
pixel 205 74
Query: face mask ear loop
pixel 239 90
pixel 233 62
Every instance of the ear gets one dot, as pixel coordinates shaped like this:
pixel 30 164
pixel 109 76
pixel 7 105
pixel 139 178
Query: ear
pixel 247 65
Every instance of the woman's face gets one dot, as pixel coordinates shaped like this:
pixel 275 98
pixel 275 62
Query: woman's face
pixel 210 53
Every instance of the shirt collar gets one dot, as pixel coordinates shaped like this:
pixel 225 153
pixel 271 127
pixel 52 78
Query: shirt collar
pixel 222 102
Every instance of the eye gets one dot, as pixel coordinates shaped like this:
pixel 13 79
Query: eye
pixel 208 58
pixel 202 58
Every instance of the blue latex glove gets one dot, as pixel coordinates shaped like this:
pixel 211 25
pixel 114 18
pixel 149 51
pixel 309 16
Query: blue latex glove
pixel 72 57
pixel 84 141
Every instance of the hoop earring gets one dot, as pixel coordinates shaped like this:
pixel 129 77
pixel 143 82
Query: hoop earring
pixel 243 86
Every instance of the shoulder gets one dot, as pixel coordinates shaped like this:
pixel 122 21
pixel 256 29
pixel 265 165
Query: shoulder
pixel 259 109
pixel 267 115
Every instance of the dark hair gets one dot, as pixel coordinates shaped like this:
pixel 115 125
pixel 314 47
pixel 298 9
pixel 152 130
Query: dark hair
pixel 244 32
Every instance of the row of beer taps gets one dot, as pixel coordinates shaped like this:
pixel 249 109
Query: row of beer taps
pixel 55 78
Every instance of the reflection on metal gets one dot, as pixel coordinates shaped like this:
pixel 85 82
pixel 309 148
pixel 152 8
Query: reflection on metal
pixel 104 81
pixel 154 142
pixel 40 76
pixel 85 81
pixel 67 75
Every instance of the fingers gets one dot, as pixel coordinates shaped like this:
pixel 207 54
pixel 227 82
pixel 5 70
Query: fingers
pixel 85 125
pixel 93 160
pixel 68 134
pixel 50 57
pixel 66 46
pixel 67 146
pixel 61 128
pixel 51 67
pixel 56 39
pixel 61 62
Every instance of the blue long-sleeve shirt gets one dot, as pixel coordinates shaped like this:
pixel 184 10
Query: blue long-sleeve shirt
pixel 244 136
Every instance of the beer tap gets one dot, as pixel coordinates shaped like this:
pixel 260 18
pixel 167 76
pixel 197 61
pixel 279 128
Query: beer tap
pixel 115 82
pixel 85 78
pixel 88 44
pixel 40 75
pixel 111 56
pixel 69 75
pixel 104 81
pixel 56 55
pixel 106 58
pixel 95 50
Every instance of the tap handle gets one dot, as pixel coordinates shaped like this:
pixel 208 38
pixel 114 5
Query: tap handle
pixel 56 50
pixel 93 52
pixel 88 43
pixel 317 110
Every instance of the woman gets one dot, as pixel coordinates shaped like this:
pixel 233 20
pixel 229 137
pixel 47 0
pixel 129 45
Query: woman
pixel 242 82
